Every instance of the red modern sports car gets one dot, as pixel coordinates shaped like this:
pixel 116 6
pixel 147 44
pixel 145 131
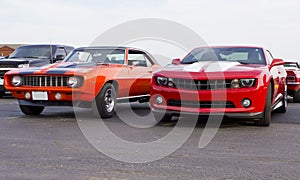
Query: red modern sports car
pixel 88 77
pixel 293 79
pixel 234 81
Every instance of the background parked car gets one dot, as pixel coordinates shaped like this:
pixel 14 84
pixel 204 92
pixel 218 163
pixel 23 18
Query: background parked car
pixel 89 77
pixel 293 79
pixel 241 82
pixel 32 56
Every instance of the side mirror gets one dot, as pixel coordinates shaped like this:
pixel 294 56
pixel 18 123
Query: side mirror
pixel 176 61
pixel 277 62
pixel 59 57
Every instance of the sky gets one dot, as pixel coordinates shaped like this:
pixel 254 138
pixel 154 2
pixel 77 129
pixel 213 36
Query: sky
pixel 274 24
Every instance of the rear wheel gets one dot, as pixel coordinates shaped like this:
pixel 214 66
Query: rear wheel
pixel 265 120
pixel 296 97
pixel 105 102
pixel 32 110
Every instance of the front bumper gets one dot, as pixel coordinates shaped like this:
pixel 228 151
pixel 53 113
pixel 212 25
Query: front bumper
pixel 257 96
pixel 230 115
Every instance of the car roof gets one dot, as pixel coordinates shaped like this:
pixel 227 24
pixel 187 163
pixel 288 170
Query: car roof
pixel 231 46
pixel 57 45
pixel 109 47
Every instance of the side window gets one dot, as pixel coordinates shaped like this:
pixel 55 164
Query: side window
pixel 139 58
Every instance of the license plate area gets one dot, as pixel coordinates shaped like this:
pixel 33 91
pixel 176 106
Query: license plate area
pixel 1 82
pixel 40 95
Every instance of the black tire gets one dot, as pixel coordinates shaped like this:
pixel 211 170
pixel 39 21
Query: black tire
pixel 105 101
pixel 31 110
pixel 265 120
pixel 296 97
pixel 162 117
pixel 284 101
pixel 2 94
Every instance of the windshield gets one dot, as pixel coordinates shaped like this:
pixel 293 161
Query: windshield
pixel 40 52
pixel 111 56
pixel 244 55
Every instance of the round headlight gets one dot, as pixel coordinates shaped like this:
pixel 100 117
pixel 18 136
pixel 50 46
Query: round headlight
pixel 17 81
pixel 73 82
pixel 163 81
pixel 235 83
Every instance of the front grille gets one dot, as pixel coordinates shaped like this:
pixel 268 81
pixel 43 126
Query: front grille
pixel 201 104
pixel 46 81
pixel 2 72
pixel 8 65
pixel 290 78
pixel 192 84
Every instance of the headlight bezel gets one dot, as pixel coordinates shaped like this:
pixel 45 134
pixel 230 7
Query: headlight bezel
pixel 164 81
pixel 243 83
pixel 16 80
pixel 74 82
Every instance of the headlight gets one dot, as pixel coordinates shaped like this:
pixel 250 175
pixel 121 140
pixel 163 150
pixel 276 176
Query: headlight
pixel 23 65
pixel 242 83
pixel 74 82
pixel 17 81
pixel 163 81
pixel 247 82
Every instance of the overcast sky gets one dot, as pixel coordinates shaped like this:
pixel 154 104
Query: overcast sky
pixel 274 24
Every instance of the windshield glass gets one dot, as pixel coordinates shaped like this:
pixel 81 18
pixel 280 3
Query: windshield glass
pixel 111 56
pixel 40 52
pixel 244 55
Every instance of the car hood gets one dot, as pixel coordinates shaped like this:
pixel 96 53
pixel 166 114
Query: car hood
pixel 14 61
pixel 214 67
pixel 58 68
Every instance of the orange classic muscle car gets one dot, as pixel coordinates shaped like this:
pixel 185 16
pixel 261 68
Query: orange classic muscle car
pixel 88 77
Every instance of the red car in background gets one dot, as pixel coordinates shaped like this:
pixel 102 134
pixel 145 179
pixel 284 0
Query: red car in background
pixel 293 79
pixel 235 81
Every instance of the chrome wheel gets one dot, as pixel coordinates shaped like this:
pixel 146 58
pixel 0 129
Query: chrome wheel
pixel 109 100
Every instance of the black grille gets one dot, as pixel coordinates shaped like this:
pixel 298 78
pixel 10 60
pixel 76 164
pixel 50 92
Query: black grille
pixel 192 84
pixel 290 78
pixel 8 65
pixel 201 104
pixel 45 81
pixel 2 72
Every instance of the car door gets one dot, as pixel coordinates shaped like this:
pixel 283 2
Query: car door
pixel 140 68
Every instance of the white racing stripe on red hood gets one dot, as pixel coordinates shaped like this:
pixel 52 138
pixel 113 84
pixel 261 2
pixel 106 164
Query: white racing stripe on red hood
pixel 210 66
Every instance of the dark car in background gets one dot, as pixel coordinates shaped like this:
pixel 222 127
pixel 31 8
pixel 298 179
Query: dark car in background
pixel 293 79
pixel 32 56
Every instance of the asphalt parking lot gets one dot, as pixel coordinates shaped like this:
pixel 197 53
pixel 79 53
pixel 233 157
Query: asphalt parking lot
pixel 52 146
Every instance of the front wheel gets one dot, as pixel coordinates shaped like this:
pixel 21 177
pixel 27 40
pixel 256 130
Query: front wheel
pixel 32 110
pixel 283 108
pixel 105 101
pixel 162 117
pixel 2 94
pixel 265 120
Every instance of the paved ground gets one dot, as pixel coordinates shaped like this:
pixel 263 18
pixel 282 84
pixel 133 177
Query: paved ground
pixel 52 146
